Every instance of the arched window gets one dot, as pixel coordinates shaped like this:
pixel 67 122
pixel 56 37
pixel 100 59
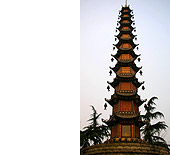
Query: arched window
pixel 125 28
pixel 125 46
pixel 126 21
pixel 125 36
pixel 125 15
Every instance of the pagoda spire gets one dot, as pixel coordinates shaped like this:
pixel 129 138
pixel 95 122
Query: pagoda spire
pixel 125 3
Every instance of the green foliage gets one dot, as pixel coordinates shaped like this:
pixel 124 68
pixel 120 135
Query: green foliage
pixel 94 133
pixel 151 131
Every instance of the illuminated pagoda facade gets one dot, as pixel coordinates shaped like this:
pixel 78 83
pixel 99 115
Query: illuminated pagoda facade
pixel 125 121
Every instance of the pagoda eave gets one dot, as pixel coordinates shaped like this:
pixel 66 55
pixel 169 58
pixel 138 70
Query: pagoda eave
pixel 133 65
pixel 132 53
pixel 115 98
pixel 114 83
pixel 126 17
pixel 111 122
pixel 135 81
pixel 125 32
pixel 126 114
pixel 130 41
pixel 117 55
pixel 125 12
pixel 114 119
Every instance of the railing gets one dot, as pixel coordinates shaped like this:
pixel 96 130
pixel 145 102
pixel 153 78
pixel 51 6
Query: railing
pixel 126 92
pixel 125 60
pixel 125 74
pixel 125 112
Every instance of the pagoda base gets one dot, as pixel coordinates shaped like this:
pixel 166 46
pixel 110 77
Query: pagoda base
pixel 114 147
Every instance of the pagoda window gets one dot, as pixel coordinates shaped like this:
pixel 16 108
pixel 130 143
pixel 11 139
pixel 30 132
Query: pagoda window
pixel 125 46
pixel 125 21
pixel 125 28
pixel 125 70
pixel 125 58
pixel 126 131
pixel 126 87
pixel 125 105
pixel 125 36
pixel 125 15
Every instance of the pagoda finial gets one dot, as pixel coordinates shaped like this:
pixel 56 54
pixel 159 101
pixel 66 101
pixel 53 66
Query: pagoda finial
pixel 126 4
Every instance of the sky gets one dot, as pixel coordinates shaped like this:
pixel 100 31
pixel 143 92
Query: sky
pixel 98 19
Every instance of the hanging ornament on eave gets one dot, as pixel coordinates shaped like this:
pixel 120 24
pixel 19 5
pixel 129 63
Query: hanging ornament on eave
pixel 112 59
pixel 113 48
pixel 137 48
pixel 110 73
pixel 139 59
pixel 141 72
pixel 108 88
pixel 105 106
pixel 116 30
pixel 135 38
pixel 115 39
pixel 134 30
pixel 143 88
pixel 133 23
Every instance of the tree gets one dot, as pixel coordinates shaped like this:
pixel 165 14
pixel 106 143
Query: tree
pixel 93 133
pixel 151 131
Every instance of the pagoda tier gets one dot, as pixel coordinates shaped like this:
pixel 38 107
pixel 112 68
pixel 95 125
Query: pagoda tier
pixel 125 22
pixel 125 28
pixel 125 58
pixel 127 126
pixel 117 80
pixel 125 10
pixel 125 120
pixel 115 99
pixel 125 34
pixel 124 117
pixel 120 64
pixel 125 44
pixel 125 16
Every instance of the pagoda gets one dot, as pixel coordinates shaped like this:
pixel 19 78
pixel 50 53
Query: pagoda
pixel 125 121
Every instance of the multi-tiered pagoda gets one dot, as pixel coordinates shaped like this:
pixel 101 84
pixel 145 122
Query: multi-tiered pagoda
pixel 125 121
